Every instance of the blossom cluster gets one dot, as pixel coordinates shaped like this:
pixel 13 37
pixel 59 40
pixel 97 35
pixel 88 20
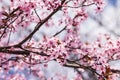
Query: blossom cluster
pixel 68 50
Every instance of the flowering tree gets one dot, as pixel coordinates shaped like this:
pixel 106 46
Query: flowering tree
pixel 69 51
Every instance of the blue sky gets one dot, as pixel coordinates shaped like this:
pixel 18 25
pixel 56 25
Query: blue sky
pixel 113 2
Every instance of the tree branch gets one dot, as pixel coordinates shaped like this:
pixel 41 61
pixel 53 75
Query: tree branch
pixel 17 52
pixel 59 31
pixel 41 23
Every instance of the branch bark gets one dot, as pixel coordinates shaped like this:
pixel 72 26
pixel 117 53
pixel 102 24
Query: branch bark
pixel 37 27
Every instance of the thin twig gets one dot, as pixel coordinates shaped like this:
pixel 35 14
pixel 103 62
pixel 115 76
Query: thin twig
pixel 37 15
pixel 59 31
pixel 38 26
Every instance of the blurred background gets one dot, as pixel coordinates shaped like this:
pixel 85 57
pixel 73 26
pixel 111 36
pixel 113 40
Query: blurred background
pixel 108 21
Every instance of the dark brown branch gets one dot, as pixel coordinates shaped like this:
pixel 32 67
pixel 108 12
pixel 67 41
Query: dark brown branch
pixel 73 64
pixel 12 21
pixel 8 47
pixel 4 31
pixel 68 1
pixel 37 15
pixel 10 59
pixel 115 71
pixel 41 23
pixel 20 52
pixel 39 53
pixel 59 31
pixel 17 52
pixel 35 30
